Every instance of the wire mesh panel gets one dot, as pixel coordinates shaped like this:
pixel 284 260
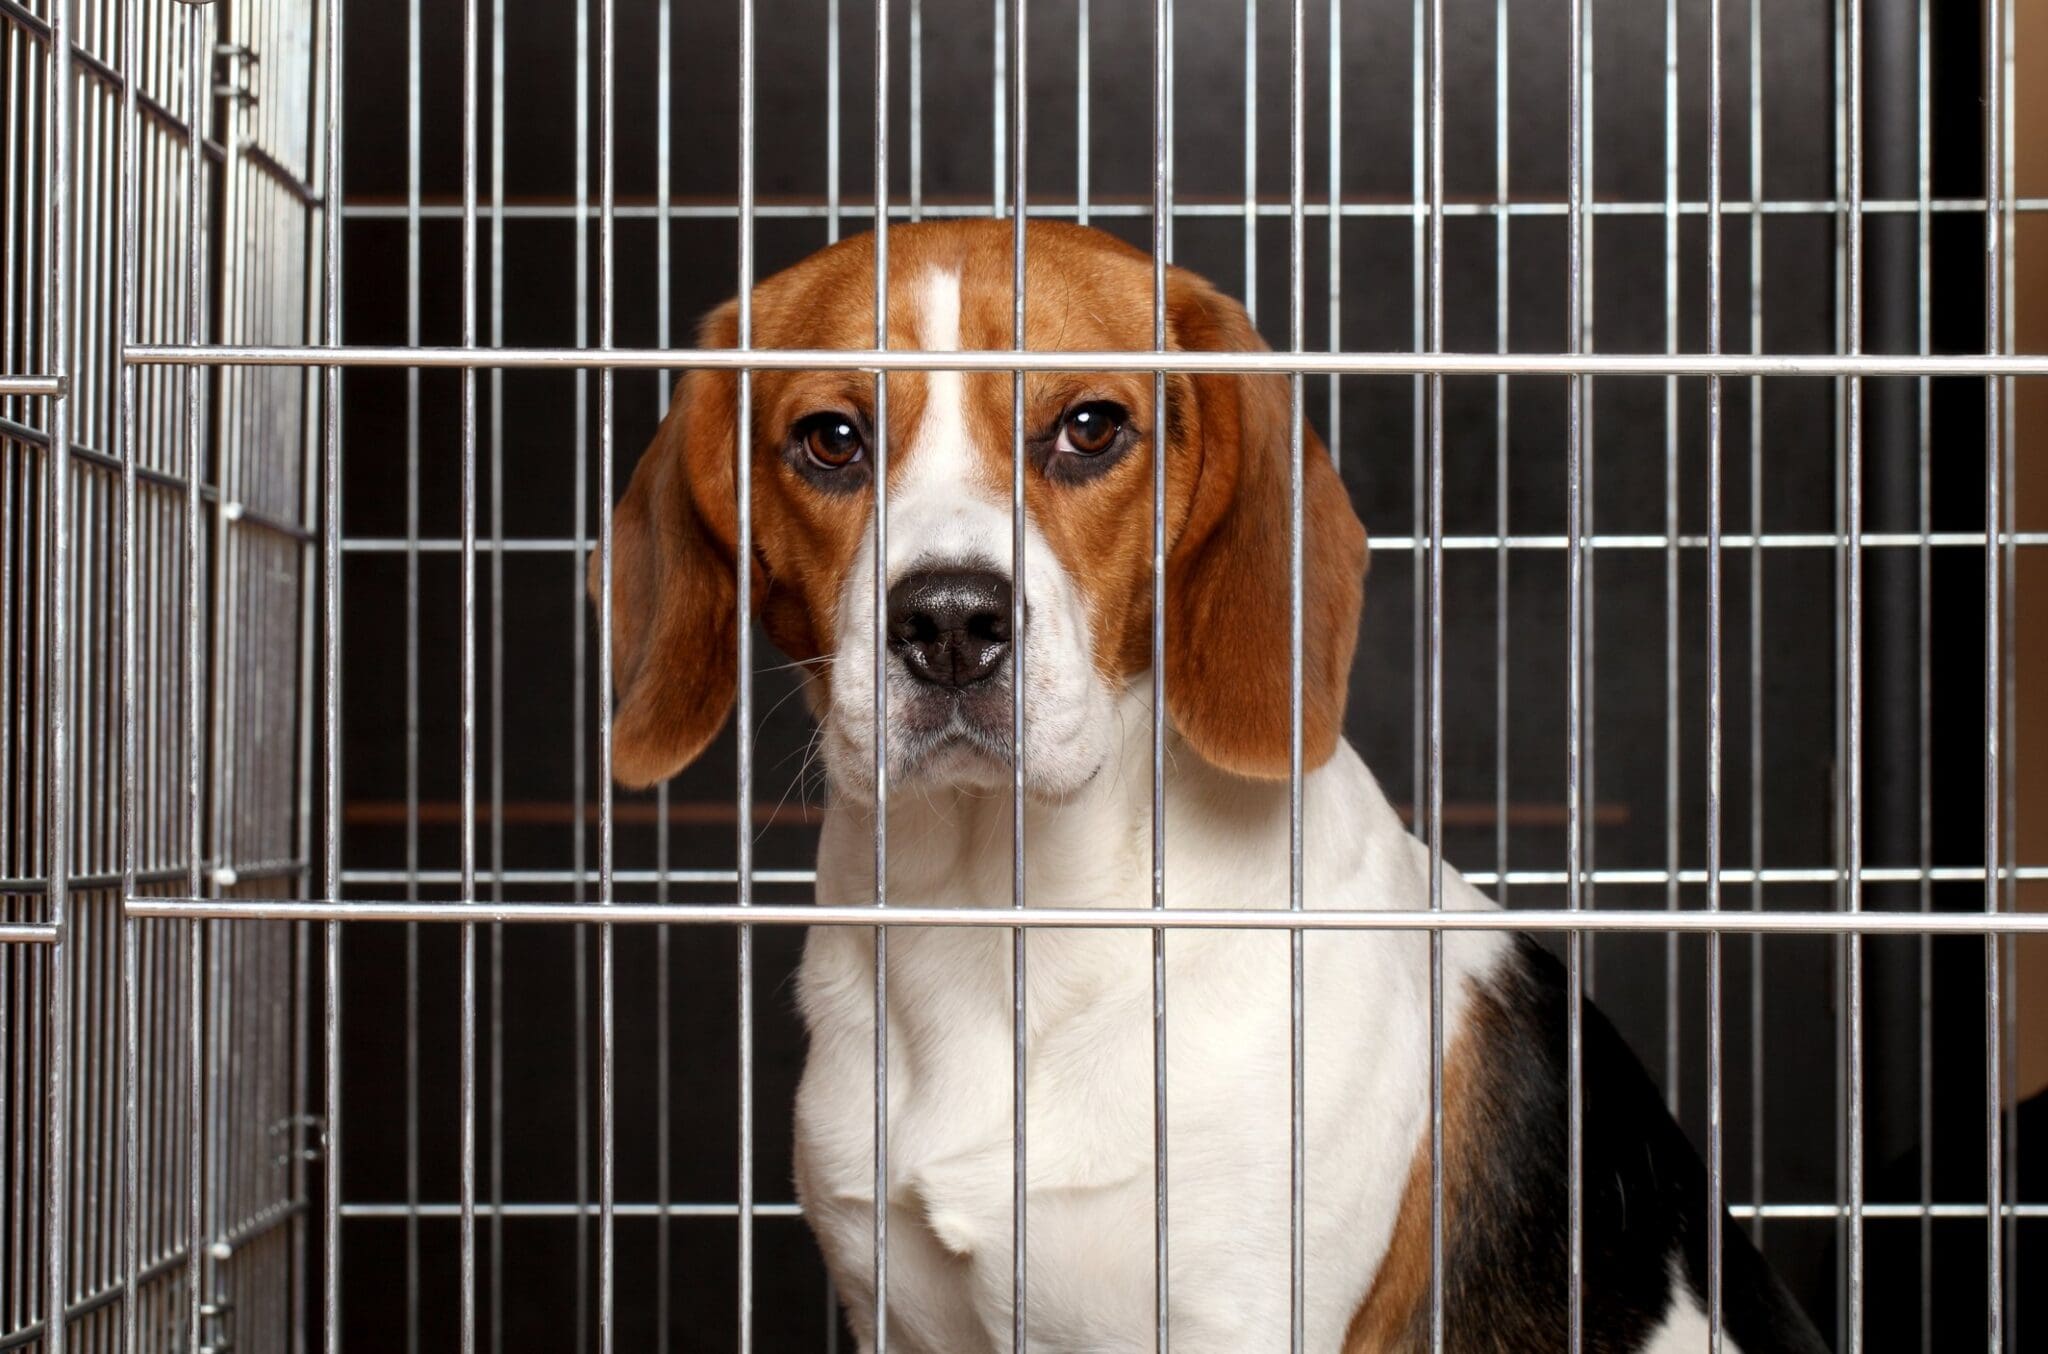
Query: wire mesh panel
pixel 1658 346
pixel 1595 743
pixel 157 654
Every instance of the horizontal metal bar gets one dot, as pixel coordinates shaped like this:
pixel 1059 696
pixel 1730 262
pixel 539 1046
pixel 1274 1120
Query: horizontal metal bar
pixel 1905 874
pixel 1809 540
pixel 571 1210
pixel 223 875
pixel 1404 209
pixel 395 545
pixel 1005 360
pixel 1830 1212
pixel 517 878
pixel 32 385
pixel 1112 918
pixel 27 933
pixel 1730 541
pixel 387 1211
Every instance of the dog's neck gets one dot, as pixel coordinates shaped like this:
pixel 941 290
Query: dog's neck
pixel 1226 837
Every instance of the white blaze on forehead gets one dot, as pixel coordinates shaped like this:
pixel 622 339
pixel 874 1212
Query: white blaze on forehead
pixel 931 510
pixel 938 313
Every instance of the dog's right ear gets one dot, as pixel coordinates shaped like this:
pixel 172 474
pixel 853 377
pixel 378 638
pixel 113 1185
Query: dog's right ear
pixel 675 662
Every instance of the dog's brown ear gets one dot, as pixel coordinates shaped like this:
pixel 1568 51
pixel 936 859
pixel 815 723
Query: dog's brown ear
pixel 1227 649
pixel 674 599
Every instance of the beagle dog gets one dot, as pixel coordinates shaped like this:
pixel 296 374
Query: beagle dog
pixel 1090 440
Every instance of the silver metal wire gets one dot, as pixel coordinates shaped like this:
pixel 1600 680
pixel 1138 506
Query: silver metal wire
pixel 744 664
pixel 57 1036
pixel 1297 1112
pixel 1019 608
pixel 1716 1154
pixel 471 42
pixel 607 978
pixel 1162 245
pixel 1575 264
pixel 1994 487
pixel 1536 920
pixel 1433 696
pixel 1419 364
pixel 880 622
pixel 1850 122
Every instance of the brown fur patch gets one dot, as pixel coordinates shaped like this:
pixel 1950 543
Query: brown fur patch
pixel 1394 1318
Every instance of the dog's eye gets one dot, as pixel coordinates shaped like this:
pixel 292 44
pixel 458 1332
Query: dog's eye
pixel 1091 429
pixel 831 441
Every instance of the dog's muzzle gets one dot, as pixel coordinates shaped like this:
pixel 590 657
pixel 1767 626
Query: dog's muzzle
pixel 950 628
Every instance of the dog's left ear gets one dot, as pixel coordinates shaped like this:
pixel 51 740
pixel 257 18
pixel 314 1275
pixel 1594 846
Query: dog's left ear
pixel 1227 647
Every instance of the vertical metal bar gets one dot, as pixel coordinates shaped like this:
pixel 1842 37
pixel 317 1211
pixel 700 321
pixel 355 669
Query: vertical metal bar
pixel 663 1036
pixel 1019 235
pixel 1251 159
pixel 1502 555
pixel 607 979
pixel 1717 1196
pixel 1837 820
pixel 1852 620
pixel 1334 423
pixel 497 1073
pixel 1434 697
pixel 307 325
pixel 57 682
pixel 1924 167
pixel 580 944
pixel 1756 607
pixel 1297 1118
pixel 879 620
pixel 2008 1272
pixel 831 121
pixel 467 1242
pixel 227 215
pixel 330 301
pixel 1575 569
pixel 1589 498
pixel 998 121
pixel 744 665
pixel 1673 1071
pixel 1418 158
pixel 917 108
pixel 1162 226
pixel 127 608
pixel 1083 107
pixel 412 673
pixel 197 69
pixel 1994 261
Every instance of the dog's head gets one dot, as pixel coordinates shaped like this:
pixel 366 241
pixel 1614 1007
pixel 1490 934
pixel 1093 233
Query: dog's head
pixel 1090 439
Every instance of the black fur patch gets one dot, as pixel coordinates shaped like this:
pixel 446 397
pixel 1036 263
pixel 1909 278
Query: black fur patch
pixel 1506 1248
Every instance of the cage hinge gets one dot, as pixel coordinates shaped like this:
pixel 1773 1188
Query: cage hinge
pixel 233 56
pixel 291 1124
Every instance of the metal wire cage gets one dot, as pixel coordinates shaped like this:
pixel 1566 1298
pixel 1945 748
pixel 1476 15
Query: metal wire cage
pixel 1641 397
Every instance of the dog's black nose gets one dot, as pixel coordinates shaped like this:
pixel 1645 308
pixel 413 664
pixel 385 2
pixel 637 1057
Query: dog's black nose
pixel 951 627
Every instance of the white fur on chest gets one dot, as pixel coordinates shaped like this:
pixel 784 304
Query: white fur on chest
pixel 1089 1065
